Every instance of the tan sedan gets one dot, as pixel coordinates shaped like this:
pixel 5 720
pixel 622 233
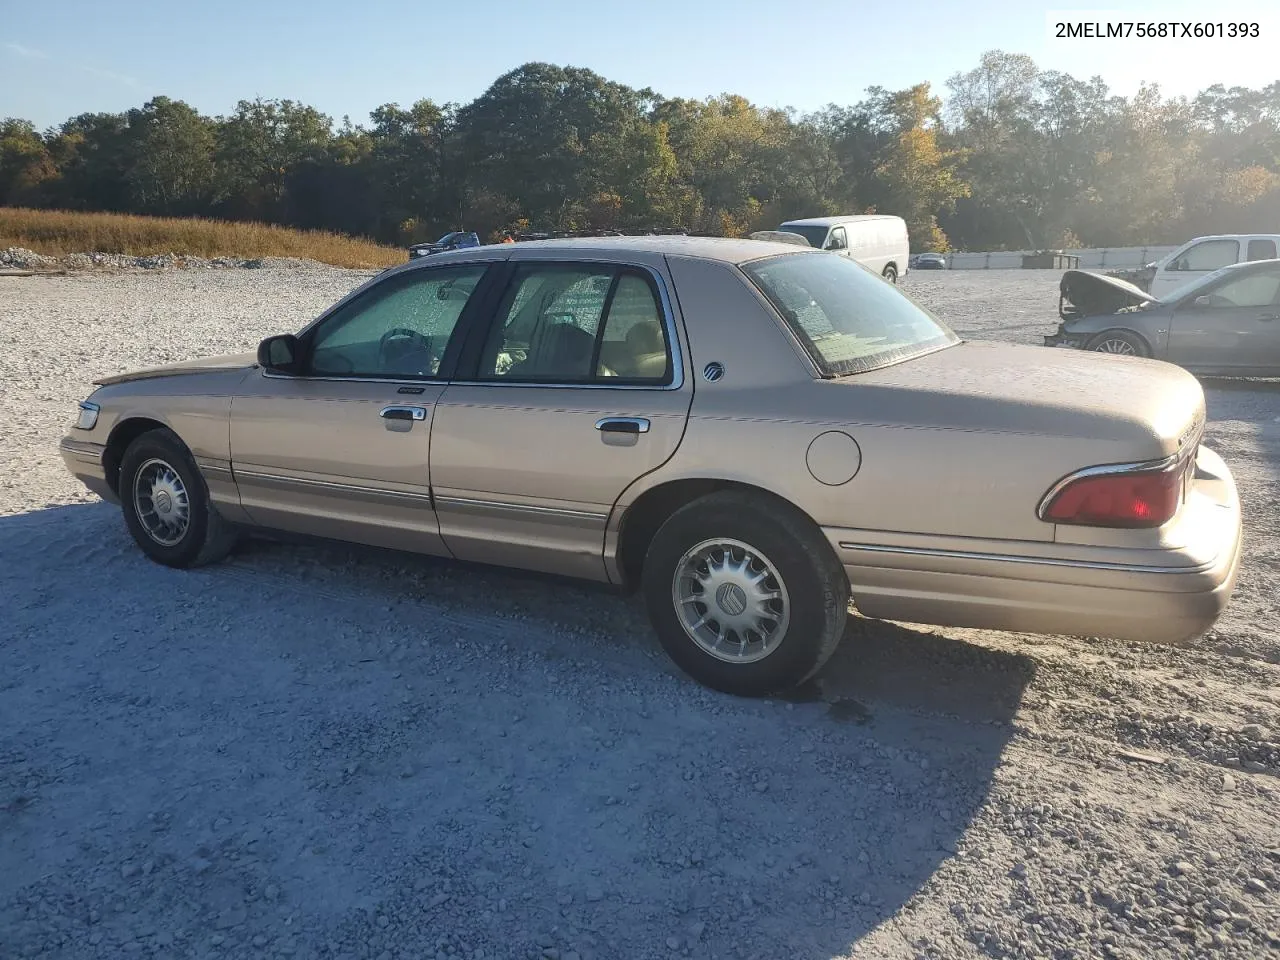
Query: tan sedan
pixel 751 433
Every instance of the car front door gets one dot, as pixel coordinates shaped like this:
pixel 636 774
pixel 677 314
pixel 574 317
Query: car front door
pixel 575 389
pixel 1193 263
pixel 342 448
pixel 1233 324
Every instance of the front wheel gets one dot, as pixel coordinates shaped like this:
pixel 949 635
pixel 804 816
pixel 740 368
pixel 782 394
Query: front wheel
pixel 891 273
pixel 745 594
pixel 166 503
pixel 1119 342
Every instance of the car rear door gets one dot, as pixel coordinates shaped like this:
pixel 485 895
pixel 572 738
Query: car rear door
pixel 342 449
pixel 1231 326
pixel 574 389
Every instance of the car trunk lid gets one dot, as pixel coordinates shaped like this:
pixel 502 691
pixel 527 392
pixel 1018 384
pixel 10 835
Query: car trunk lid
pixel 1140 409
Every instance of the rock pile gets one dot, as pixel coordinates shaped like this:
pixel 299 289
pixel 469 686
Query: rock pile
pixel 23 259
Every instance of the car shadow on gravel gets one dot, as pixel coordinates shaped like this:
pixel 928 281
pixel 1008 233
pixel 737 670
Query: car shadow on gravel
pixel 410 753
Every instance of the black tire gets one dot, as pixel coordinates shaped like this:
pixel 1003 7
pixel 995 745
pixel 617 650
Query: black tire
pixel 891 273
pixel 815 583
pixel 1106 342
pixel 207 537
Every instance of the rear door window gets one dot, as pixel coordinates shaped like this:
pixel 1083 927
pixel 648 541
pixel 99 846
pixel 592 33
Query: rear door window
pixel 1261 249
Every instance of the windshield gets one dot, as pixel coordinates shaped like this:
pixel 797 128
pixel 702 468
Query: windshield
pixel 848 318
pixel 815 235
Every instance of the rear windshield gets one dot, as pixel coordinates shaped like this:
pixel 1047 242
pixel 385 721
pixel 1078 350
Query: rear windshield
pixel 815 235
pixel 848 318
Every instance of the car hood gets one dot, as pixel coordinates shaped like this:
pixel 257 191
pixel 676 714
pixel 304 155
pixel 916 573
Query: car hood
pixel 233 361
pixel 1146 409
pixel 1083 294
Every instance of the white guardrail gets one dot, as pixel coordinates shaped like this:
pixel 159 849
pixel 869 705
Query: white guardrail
pixel 1096 258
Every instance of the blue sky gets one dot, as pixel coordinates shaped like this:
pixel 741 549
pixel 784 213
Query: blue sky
pixel 347 58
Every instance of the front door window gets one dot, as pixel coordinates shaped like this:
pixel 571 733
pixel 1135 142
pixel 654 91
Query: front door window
pixel 397 329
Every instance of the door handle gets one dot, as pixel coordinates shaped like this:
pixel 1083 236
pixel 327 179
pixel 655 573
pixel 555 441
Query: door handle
pixel 403 413
pixel 1270 316
pixel 623 425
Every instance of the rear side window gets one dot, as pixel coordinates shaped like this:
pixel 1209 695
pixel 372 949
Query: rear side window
pixel 848 318
pixel 578 323
pixel 1262 250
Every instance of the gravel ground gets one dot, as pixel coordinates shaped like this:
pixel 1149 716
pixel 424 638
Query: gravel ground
pixel 321 751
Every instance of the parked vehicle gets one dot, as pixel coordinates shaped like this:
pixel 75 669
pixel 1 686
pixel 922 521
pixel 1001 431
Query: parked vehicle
pixel 931 261
pixel 779 236
pixel 877 241
pixel 1199 257
pixel 458 240
pixel 840 441
pixel 1227 323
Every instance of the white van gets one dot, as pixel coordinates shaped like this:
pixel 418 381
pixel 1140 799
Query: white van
pixel 877 241
pixel 1203 255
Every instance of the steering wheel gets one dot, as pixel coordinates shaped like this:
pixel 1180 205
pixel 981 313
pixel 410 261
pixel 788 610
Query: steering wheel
pixel 399 347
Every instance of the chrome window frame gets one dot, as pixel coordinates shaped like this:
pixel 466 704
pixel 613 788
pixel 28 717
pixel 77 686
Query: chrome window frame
pixel 665 304
pixel 668 324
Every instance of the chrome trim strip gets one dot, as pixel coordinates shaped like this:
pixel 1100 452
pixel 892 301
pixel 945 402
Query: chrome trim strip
pixel 215 471
pixel 669 322
pixel 1149 466
pixel 333 485
pixel 520 508
pixel 1036 561
pixel 83 448
pixel 421 381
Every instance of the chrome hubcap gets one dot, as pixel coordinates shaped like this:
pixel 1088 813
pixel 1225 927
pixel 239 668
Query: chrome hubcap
pixel 161 502
pixel 1122 347
pixel 731 600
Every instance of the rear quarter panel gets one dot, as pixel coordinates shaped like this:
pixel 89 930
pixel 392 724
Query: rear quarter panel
pixel 757 424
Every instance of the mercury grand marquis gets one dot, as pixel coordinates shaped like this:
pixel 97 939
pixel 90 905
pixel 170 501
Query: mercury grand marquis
pixel 752 434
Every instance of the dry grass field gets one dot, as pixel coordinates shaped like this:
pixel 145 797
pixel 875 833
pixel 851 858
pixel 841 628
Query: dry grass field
pixel 57 233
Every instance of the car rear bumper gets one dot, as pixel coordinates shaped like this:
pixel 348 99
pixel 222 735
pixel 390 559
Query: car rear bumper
pixel 1165 596
pixel 84 460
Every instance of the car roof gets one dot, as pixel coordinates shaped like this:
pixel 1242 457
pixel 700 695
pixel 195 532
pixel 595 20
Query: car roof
pixel 719 249
pixel 833 221
pixel 1234 236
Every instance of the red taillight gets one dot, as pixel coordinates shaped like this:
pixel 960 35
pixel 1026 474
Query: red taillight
pixel 1147 498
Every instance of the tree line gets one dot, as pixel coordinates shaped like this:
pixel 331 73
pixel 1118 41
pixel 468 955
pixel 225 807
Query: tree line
pixel 1015 157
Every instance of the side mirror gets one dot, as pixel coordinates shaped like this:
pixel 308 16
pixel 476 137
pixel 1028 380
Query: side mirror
pixel 279 354
pixel 1203 301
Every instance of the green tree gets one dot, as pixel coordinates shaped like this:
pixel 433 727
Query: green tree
pixel 257 149
pixel 26 166
pixel 169 169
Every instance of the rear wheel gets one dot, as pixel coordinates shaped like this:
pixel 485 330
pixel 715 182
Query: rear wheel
pixel 166 503
pixel 1120 343
pixel 891 273
pixel 745 594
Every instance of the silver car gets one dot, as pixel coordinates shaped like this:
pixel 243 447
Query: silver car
pixel 1225 324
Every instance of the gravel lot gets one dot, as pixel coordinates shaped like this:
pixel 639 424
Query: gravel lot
pixel 316 751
